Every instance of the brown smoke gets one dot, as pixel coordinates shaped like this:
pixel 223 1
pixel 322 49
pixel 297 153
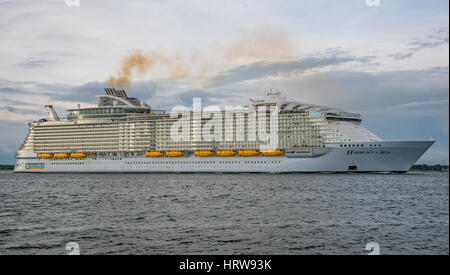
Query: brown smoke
pixel 263 43
pixel 141 63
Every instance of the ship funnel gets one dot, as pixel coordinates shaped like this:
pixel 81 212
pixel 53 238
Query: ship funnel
pixel 116 92
pixel 51 113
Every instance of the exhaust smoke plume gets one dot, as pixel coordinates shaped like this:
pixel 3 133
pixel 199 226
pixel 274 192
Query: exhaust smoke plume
pixel 263 43
pixel 141 63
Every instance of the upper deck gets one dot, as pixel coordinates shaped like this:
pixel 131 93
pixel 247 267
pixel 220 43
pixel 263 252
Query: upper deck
pixel 115 104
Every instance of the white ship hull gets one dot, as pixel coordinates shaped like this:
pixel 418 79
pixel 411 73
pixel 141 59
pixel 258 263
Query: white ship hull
pixel 384 156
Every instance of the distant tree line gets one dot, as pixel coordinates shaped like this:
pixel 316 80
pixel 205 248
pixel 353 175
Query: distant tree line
pixel 6 167
pixel 436 167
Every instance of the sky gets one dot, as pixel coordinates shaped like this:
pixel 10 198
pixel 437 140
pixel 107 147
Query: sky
pixel 389 62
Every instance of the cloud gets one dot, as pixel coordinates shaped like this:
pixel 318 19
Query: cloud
pixel 420 104
pixel 265 69
pixel 437 38
pixel 13 90
pixel 208 98
pixel 33 62
pixel 264 42
pixel 82 93
pixel 17 110
pixel 439 70
pixel 31 88
pixel 44 59
pixel 16 102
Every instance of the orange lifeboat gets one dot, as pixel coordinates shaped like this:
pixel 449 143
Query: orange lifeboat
pixel 206 153
pixel 154 154
pixel 78 155
pixel 248 153
pixel 226 153
pixel 273 153
pixel 45 156
pixel 175 153
pixel 62 155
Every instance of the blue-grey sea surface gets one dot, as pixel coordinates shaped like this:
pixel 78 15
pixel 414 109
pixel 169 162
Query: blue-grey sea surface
pixel 224 213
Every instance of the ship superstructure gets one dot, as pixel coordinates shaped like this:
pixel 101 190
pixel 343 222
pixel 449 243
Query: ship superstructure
pixel 123 134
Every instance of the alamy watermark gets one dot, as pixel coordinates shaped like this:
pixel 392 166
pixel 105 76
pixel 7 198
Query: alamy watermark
pixel 373 3
pixel 373 248
pixel 72 3
pixel 73 248
pixel 258 125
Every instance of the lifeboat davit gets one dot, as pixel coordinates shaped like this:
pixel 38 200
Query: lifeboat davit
pixel 249 153
pixel 273 153
pixel 78 155
pixel 175 153
pixel 226 153
pixel 154 154
pixel 62 155
pixel 45 156
pixel 204 153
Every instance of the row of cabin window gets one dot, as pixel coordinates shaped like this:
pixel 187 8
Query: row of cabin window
pixel 360 145
pixel 200 162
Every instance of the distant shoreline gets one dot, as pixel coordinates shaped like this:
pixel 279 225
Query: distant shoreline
pixel 424 167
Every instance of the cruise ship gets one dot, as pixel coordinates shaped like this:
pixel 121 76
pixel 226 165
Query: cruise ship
pixel 126 135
